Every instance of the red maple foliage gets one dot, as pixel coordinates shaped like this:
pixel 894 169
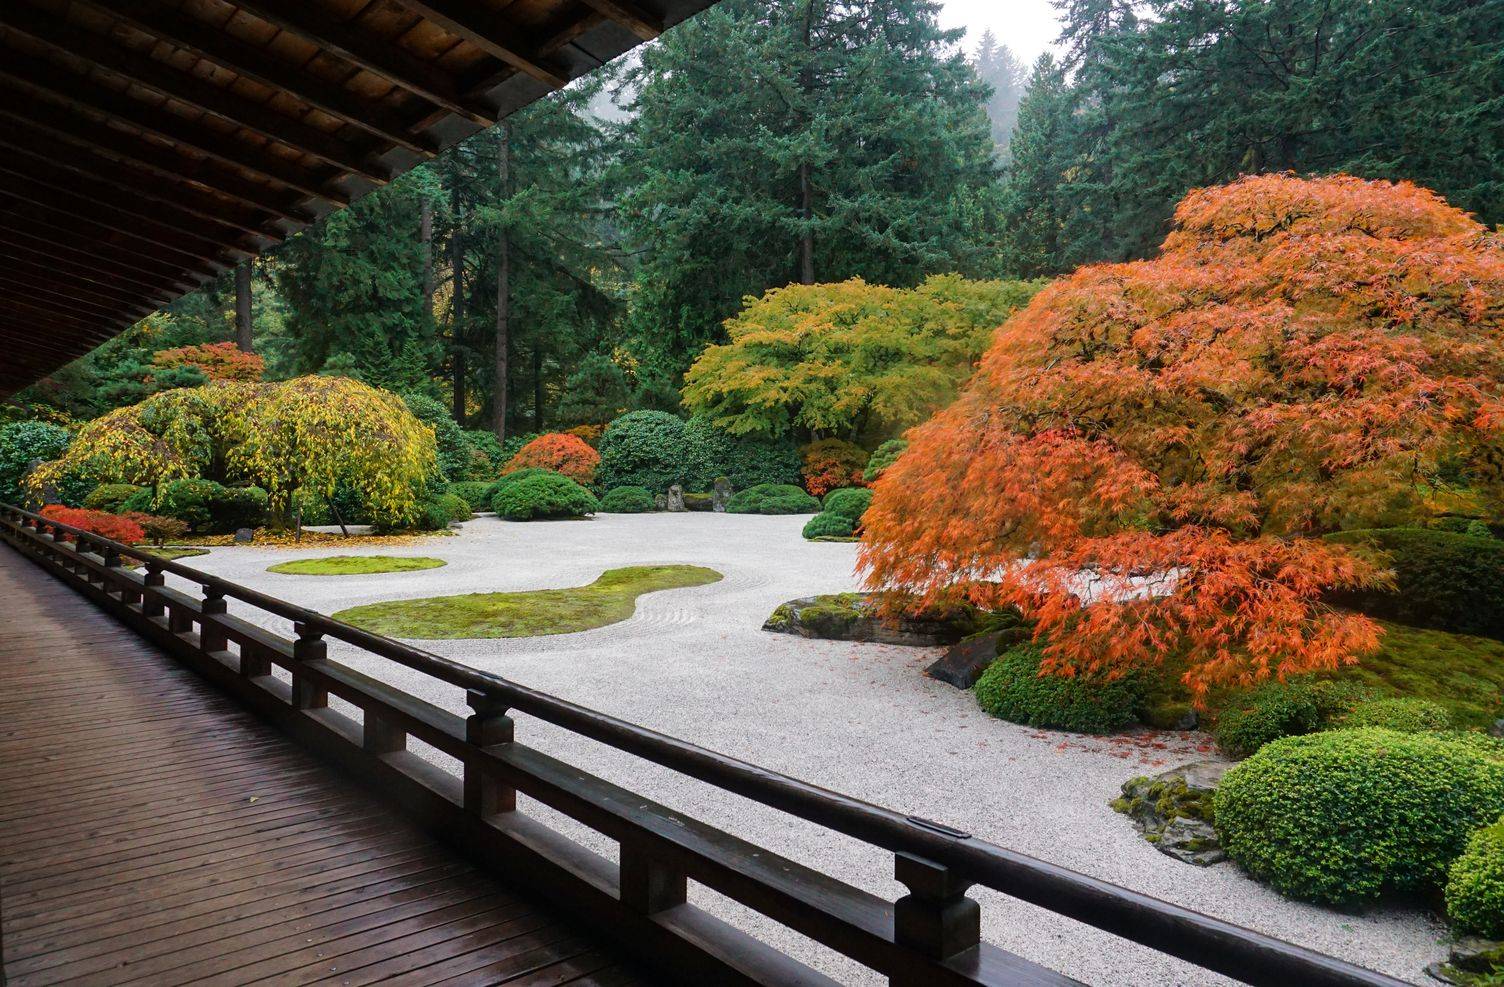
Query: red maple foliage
pixel 101 523
pixel 1166 440
pixel 218 361
pixel 830 464
pixel 560 452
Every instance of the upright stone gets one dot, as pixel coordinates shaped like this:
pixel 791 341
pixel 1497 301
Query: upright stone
pixel 676 498
pixel 720 496
pixel 244 536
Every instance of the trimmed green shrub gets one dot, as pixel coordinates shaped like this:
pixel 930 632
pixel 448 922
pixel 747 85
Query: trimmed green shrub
pixel 627 500
pixel 542 496
pixel 1284 709
pixel 1475 885
pixel 644 449
pixel 209 507
pixel 1012 689
pixel 473 492
pixel 456 507
pixel 773 498
pixel 849 502
pixel 21 444
pixel 112 497
pixel 1406 714
pixel 883 456
pixel 827 525
pixel 745 460
pixel 511 478
pixel 1449 582
pixel 453 451
pixel 1346 815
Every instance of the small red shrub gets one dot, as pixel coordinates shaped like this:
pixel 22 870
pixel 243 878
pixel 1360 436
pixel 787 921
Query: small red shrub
pixel 218 361
pixel 560 452
pixel 101 523
pixel 831 464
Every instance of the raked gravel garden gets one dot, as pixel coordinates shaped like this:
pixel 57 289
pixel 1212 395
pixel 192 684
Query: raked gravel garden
pixel 857 718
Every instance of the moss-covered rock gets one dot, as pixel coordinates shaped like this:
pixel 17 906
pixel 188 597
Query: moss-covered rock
pixel 1175 811
pixel 854 617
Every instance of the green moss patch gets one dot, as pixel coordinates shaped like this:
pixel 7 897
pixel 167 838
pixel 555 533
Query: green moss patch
pixel 611 598
pixel 1462 673
pixel 354 565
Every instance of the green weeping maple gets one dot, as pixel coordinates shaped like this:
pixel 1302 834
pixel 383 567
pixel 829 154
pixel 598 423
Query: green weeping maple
pixel 853 359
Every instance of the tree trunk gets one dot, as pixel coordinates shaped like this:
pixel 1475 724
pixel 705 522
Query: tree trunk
pixel 457 309
pixel 243 340
pixel 503 294
pixel 425 237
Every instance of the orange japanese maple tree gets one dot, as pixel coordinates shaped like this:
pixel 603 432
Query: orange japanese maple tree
pixel 560 452
pixel 1150 451
pixel 218 361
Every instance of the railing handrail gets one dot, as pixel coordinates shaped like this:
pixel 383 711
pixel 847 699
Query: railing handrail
pixel 1224 947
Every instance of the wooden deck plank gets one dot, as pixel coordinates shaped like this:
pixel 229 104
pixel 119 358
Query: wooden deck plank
pixel 152 831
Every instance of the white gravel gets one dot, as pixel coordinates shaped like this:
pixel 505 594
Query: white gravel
pixel 857 718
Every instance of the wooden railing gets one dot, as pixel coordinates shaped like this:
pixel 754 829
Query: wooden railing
pixel 931 936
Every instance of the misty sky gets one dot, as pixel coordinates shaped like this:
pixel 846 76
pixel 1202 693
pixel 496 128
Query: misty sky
pixel 1029 27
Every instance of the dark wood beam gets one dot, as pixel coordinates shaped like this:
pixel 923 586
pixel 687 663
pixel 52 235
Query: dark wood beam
pixel 29 309
pixel 630 16
pixel 489 31
pixel 37 239
pixel 178 168
pixel 189 90
pixel 20 257
pixel 37 169
pixel 40 335
pixel 246 60
pixel 140 250
pixel 372 54
pixel 50 277
pixel 36 73
pixel 64 301
pixel 479 84
pixel 191 246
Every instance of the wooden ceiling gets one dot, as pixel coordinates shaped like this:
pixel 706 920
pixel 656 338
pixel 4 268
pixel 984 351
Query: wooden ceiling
pixel 148 145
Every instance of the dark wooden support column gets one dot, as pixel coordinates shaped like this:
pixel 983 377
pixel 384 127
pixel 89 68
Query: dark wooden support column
pixel 935 919
pixel 488 726
pixel 310 646
pixel 151 603
pixel 211 633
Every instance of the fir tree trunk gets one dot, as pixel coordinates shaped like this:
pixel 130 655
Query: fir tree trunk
pixel 457 309
pixel 243 340
pixel 503 294
pixel 425 238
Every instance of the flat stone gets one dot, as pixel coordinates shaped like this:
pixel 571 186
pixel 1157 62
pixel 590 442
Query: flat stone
pixel 1192 841
pixel 966 660
pixel 851 617
pixel 1469 959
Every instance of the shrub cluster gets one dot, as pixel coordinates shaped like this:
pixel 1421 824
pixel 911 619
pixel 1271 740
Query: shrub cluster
pixel 21 444
pixel 1012 689
pixel 1450 582
pixel 436 511
pixel 568 455
pixel 1285 709
pixel 207 507
pixel 828 525
pixel 627 500
pixel 543 495
pixel 1475 884
pixel 832 463
pixel 643 449
pixel 473 492
pixel 1346 815
pixel 883 456
pixel 157 529
pixel 849 502
pixel 773 498
pixel 1407 714
pixel 112 497
pixel 744 460
pixel 112 526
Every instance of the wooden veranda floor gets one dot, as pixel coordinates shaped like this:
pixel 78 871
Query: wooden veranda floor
pixel 153 832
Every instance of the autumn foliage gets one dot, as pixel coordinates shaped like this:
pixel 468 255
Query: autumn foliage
pixel 560 452
pixel 102 523
pixel 1164 439
pixel 218 361
pixel 830 464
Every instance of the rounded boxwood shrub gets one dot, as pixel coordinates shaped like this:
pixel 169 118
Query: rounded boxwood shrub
pixel 454 506
pixel 1445 581
pixel 828 525
pixel 1012 689
pixel 209 507
pixel 112 497
pixel 643 449
pixel 883 456
pixel 517 476
pixel 473 492
pixel 1475 885
pixel 627 500
pixel 744 460
pixel 1407 714
pixel 849 502
pixel 1346 815
pixel 541 496
pixel 773 498
pixel 1284 709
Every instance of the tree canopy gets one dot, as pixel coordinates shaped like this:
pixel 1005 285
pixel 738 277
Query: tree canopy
pixel 1303 356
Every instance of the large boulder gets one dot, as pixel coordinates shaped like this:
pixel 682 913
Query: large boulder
pixel 965 661
pixel 675 499
pixel 854 617
pixel 1174 811
pixel 720 495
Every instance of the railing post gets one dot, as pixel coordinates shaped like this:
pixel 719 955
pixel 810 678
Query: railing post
pixel 211 634
pixel 487 726
pixel 151 603
pixel 647 884
pixel 935 919
pixel 310 646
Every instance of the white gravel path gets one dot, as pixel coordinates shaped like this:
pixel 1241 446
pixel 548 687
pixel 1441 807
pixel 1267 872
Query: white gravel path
pixel 857 718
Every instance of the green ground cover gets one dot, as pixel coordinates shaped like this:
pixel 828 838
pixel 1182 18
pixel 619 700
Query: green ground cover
pixel 354 565
pixel 533 613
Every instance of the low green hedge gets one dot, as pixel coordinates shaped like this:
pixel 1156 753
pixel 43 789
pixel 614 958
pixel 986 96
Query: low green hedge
pixel 773 498
pixel 628 500
pixel 112 497
pixel 1406 714
pixel 827 525
pixel 849 502
pixel 1450 582
pixel 473 492
pixel 206 506
pixel 1347 815
pixel 1284 709
pixel 1475 885
pixel 1012 689
pixel 541 496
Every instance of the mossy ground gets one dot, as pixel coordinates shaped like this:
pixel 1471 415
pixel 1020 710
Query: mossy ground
pixel 354 565
pixel 609 599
